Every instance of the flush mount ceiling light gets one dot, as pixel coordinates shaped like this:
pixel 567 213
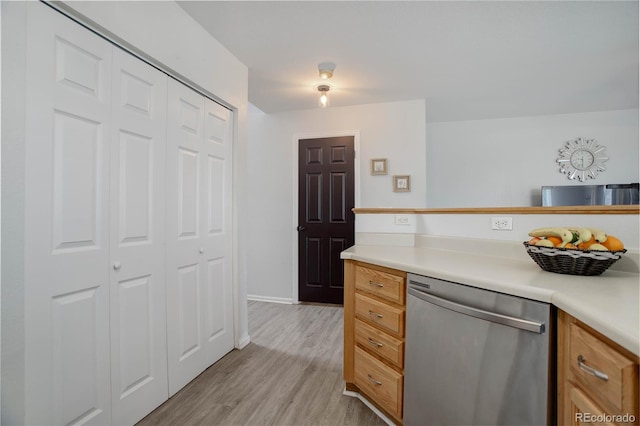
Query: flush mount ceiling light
pixel 323 102
pixel 325 69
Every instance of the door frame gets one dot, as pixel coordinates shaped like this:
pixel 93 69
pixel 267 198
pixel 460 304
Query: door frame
pixel 295 299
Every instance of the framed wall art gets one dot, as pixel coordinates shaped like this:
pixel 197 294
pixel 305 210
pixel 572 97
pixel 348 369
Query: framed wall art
pixel 379 166
pixel 401 183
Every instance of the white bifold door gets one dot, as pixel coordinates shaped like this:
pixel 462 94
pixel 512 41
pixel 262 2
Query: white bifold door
pixel 67 280
pixel 137 239
pixel 199 312
pixel 128 230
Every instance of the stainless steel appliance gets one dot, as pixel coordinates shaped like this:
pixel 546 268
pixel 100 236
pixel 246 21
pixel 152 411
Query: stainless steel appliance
pixel 586 195
pixel 476 357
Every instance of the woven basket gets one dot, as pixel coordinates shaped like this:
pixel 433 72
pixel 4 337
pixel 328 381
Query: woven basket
pixel 571 261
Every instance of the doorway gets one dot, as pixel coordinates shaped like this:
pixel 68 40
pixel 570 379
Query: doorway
pixel 326 222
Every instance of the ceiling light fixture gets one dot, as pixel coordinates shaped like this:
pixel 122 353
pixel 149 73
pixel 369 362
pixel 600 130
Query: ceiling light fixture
pixel 325 69
pixel 324 99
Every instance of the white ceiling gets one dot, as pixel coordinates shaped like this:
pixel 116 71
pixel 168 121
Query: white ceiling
pixel 469 60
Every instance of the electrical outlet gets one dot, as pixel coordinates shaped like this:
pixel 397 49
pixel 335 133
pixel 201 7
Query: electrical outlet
pixel 502 223
pixel 402 219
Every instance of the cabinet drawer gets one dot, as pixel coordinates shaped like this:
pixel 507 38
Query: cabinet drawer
pixel 380 382
pixel 583 409
pixel 622 374
pixel 382 284
pixel 380 343
pixel 387 318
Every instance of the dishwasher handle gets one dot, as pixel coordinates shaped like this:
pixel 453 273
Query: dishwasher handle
pixel 523 324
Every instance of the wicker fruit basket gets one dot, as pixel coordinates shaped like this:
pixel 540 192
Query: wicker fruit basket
pixel 572 261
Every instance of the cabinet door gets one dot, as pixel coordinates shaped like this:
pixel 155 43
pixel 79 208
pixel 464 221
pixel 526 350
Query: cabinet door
pixel 66 202
pixel 138 289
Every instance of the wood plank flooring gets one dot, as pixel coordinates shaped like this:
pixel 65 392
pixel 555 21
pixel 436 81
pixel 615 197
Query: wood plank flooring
pixel 290 374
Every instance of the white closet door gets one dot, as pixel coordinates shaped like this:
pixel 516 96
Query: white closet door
pixel 66 201
pixel 186 275
pixel 138 293
pixel 199 241
pixel 217 236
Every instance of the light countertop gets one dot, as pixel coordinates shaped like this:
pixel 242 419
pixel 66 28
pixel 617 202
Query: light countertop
pixel 609 303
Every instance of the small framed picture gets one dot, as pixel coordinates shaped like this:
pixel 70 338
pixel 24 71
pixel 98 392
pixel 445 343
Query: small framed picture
pixel 379 166
pixel 401 183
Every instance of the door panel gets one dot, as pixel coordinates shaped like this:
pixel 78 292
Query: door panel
pixel 189 310
pixel 77 177
pixel 139 380
pixel 218 321
pixel 215 199
pixel 217 231
pixel 135 192
pixel 76 67
pixel 188 187
pixel 185 277
pixel 75 341
pixel 326 222
pixel 67 360
pixel 199 226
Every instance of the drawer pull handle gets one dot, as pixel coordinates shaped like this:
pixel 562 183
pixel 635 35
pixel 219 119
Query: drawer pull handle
pixel 374 314
pixel 584 367
pixel 374 343
pixel 380 285
pixel 372 380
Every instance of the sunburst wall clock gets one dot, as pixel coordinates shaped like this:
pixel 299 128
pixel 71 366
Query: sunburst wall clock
pixel 582 159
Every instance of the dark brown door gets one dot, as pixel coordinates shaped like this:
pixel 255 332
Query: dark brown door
pixel 325 219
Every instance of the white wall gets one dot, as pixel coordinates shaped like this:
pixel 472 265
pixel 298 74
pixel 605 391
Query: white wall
pixel 395 131
pixel 478 226
pixel 504 162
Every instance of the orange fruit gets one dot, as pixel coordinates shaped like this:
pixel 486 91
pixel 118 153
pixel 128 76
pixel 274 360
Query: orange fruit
pixel 613 244
pixel 555 240
pixel 571 246
pixel 585 245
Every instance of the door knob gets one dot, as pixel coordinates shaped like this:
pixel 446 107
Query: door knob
pixel 201 250
pixel 116 266
pixel 301 228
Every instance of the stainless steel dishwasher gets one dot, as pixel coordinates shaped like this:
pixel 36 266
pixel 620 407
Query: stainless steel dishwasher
pixel 476 357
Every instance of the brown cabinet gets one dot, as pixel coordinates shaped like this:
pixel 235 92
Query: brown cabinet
pixel 597 379
pixel 374 325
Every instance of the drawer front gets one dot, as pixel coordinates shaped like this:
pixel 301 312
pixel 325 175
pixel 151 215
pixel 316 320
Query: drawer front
pixel 380 343
pixel 387 318
pixel 583 409
pixel 596 355
pixel 382 284
pixel 380 382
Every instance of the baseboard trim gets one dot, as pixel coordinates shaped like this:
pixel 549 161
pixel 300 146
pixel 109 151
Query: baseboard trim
pixel 283 300
pixel 242 343
pixel 373 408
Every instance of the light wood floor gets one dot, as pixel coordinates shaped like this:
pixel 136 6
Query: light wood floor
pixel 290 374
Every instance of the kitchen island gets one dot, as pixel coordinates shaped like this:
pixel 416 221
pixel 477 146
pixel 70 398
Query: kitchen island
pixel 607 305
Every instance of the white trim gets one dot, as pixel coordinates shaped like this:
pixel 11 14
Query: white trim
pixel 294 180
pixel 373 408
pixel 283 300
pixel 243 343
